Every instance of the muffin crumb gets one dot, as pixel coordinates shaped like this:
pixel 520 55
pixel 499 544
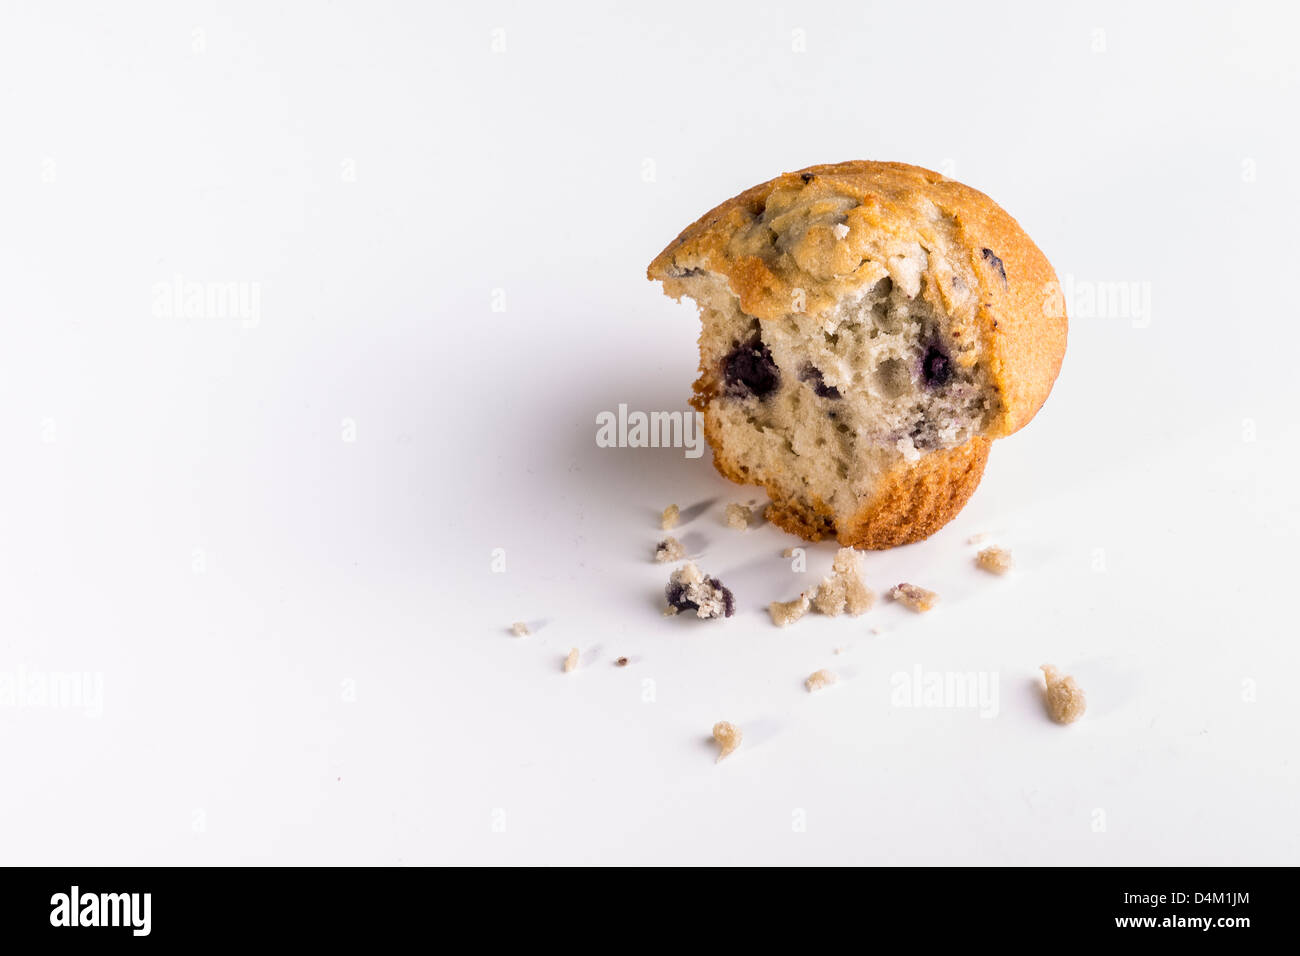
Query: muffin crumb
pixel 519 629
pixel 1066 701
pixel 689 590
pixel 788 553
pixel 668 519
pixel 787 612
pixel 621 662
pixel 669 549
pixel 571 661
pixel 914 598
pixel 843 591
pixel 977 538
pixel 739 517
pixel 994 560
pixel 728 736
pixel 820 679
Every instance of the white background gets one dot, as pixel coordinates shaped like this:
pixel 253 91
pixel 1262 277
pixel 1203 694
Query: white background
pixel 302 645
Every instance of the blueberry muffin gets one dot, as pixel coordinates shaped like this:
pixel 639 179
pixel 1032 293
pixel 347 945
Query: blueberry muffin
pixel 868 330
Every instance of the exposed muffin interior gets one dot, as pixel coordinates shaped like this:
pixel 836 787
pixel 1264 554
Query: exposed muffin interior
pixel 817 407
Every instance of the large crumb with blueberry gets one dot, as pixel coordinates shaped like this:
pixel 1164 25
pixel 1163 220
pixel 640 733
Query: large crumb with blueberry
pixel 669 549
pixel 1066 701
pixel 913 598
pixel 689 590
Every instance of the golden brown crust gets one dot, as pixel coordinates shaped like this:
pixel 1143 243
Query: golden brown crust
pixel 912 502
pixel 915 500
pixel 1015 307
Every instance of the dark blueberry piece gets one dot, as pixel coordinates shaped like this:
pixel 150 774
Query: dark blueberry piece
pixel 676 595
pixel 936 367
pixel 749 368
pixel 806 177
pixel 813 376
pixel 996 263
pixel 728 601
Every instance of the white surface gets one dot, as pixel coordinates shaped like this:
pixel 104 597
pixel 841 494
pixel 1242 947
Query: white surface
pixel 303 648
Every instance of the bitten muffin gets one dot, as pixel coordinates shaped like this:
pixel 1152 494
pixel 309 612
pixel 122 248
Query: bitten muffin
pixel 868 329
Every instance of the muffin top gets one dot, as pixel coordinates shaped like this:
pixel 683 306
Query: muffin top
pixel 805 242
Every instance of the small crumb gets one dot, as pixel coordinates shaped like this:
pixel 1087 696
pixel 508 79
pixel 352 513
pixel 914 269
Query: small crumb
pixel 739 517
pixel 689 590
pixel 839 650
pixel 841 230
pixel 519 629
pixel 1066 701
pixel 876 630
pixel 820 679
pixel 977 538
pixel 669 549
pixel 668 519
pixel 728 736
pixel 787 612
pixel 844 591
pixel 914 598
pixel 788 553
pixel 621 662
pixel 995 560
pixel 571 661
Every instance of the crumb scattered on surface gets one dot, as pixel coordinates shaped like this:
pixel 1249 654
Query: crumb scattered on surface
pixel 621 662
pixel 914 598
pixel 844 592
pixel 669 549
pixel 571 661
pixel 689 590
pixel 788 553
pixel 668 519
pixel 876 630
pixel 820 679
pixel 977 538
pixel 728 736
pixel 839 650
pixel 739 517
pixel 995 560
pixel 1066 701
pixel 519 629
pixel 787 612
